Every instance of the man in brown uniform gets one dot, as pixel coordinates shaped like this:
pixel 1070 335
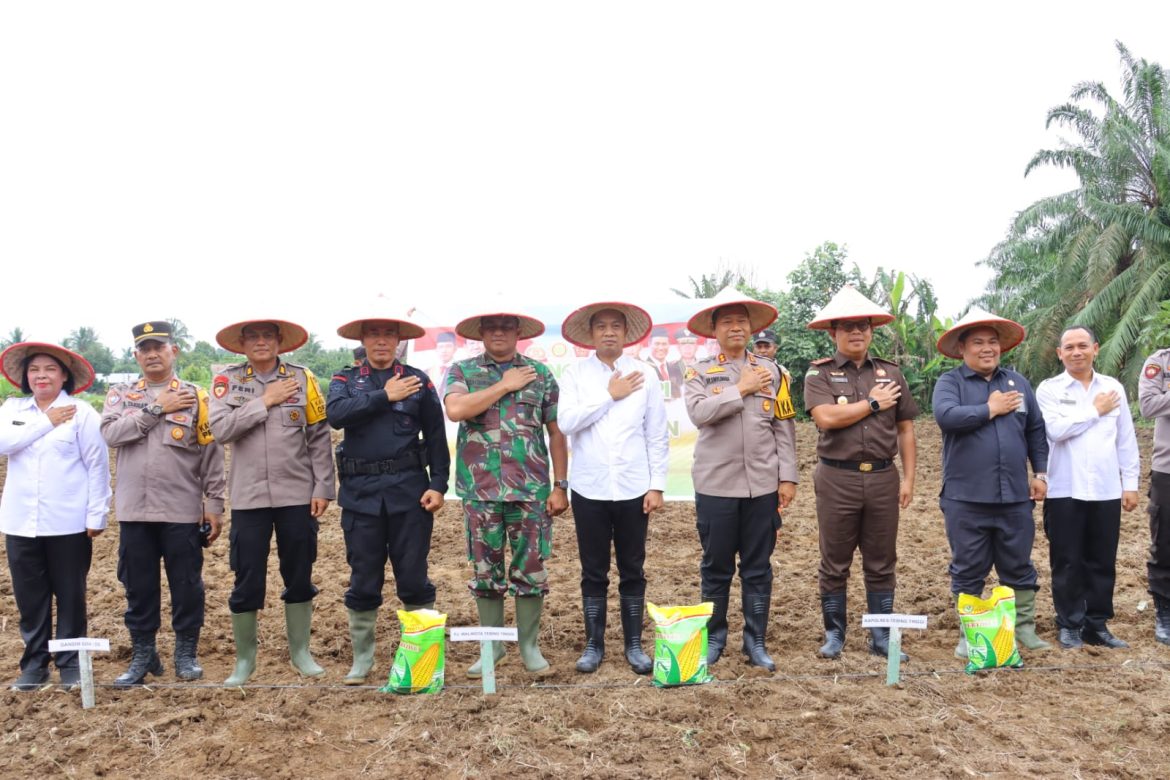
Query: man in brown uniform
pixel 272 413
pixel 170 482
pixel 745 466
pixel 865 413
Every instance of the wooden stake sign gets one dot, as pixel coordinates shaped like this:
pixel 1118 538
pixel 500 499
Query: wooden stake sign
pixel 895 623
pixel 84 646
pixel 485 635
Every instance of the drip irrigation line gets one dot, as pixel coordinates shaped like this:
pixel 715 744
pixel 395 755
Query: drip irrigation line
pixel 644 682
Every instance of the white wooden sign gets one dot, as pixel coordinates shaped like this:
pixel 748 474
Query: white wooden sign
pixel 84 646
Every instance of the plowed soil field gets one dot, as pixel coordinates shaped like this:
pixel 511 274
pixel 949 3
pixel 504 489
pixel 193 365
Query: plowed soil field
pixel 1072 714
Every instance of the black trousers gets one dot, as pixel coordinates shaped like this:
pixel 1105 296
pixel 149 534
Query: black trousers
pixel 140 546
pixel 403 538
pixel 296 546
pixel 598 524
pixel 44 568
pixel 1082 543
pixel 1158 565
pixel 731 526
pixel 982 535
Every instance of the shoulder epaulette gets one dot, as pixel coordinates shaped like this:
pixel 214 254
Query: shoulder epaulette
pixel 888 362
pixel 820 361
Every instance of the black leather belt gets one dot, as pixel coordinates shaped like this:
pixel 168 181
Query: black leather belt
pixel 858 465
pixel 410 462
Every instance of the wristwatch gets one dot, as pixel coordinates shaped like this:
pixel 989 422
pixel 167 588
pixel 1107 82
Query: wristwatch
pixel 563 484
pixel 1042 477
pixel 154 410
pixel 874 406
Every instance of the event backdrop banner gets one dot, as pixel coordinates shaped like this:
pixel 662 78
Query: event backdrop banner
pixel 669 349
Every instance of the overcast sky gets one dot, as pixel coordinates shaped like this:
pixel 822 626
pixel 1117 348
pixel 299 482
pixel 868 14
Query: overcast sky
pixel 222 161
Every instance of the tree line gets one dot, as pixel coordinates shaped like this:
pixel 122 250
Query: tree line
pixel 1097 255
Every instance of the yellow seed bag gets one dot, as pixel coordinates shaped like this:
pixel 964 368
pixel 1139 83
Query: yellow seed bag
pixel 990 628
pixel 680 644
pixel 420 659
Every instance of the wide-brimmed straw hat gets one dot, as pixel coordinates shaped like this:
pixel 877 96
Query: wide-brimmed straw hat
pixel 530 327
pixel 850 304
pixel 78 367
pixel 576 328
pixel 760 314
pixel 292 336
pixel 1010 333
pixel 383 310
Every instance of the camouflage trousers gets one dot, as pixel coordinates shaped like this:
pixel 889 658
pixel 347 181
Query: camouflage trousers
pixel 527 528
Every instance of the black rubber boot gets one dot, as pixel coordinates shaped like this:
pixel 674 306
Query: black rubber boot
pixel 879 638
pixel 186 656
pixel 594 608
pixel 632 609
pixel 833 612
pixel 716 628
pixel 756 609
pixel 1162 619
pixel 143 660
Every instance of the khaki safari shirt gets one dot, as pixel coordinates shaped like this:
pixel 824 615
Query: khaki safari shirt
pixel 169 468
pixel 747 445
pixel 280 456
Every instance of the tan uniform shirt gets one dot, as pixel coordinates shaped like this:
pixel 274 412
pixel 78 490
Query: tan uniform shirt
pixel 747 445
pixel 1154 402
pixel 280 456
pixel 170 469
pixel 838 380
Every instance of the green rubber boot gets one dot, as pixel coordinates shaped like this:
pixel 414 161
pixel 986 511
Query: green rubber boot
pixel 528 609
pixel 413 607
pixel 1026 621
pixel 491 613
pixel 361 638
pixel 298 619
pixel 244 633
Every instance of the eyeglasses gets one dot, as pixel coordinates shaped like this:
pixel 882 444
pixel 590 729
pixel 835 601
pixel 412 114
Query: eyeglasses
pixel 507 326
pixel 861 326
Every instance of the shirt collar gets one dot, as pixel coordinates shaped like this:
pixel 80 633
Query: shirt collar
pixel 487 360
pixel 1068 380
pixel 839 359
pixel 31 403
pixel 968 372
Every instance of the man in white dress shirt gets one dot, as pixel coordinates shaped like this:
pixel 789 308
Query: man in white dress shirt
pixel 1093 468
pixel 615 418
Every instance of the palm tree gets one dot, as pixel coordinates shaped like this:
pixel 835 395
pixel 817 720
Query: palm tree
pixel 14 337
pixel 1098 255
pixel 180 334
pixel 81 340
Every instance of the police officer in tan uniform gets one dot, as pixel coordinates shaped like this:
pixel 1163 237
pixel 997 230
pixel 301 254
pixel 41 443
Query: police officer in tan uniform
pixel 865 414
pixel 272 413
pixel 170 482
pixel 745 465
pixel 1154 402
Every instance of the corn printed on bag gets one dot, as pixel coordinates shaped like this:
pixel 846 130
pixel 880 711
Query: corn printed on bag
pixel 680 644
pixel 990 628
pixel 421 655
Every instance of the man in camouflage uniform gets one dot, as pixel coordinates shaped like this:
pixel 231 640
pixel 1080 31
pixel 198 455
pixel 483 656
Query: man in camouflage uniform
pixel 503 403
pixel 273 416
pixel 170 478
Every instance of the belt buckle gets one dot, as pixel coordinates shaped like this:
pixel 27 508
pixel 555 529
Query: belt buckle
pixel 867 466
